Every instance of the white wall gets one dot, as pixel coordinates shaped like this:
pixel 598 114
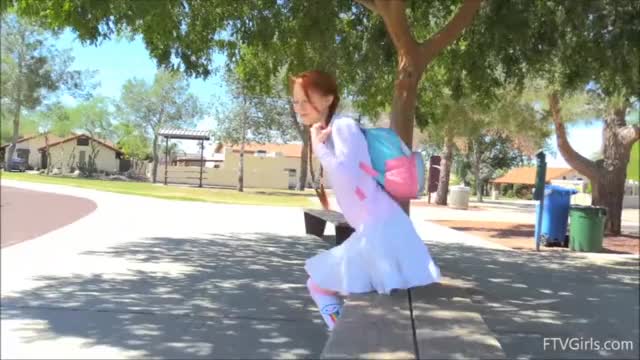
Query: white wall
pixel 259 172
pixel 67 154
pixel 33 145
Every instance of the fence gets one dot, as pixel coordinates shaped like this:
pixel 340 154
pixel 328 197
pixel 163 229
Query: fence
pixel 259 172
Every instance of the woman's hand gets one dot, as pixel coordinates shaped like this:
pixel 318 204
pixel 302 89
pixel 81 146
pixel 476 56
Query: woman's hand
pixel 319 133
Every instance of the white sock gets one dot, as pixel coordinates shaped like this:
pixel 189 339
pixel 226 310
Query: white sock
pixel 330 305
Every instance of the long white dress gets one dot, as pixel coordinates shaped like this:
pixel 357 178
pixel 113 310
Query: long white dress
pixel 385 252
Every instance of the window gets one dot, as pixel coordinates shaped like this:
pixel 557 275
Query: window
pixel 82 141
pixel 22 154
pixel 83 157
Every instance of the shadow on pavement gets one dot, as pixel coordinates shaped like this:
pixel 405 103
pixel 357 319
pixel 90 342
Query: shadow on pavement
pixel 241 296
pixel 526 297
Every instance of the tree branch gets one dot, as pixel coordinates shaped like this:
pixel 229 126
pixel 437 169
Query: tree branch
pixel 369 4
pixel 629 134
pixel 394 15
pixel 580 163
pixel 443 38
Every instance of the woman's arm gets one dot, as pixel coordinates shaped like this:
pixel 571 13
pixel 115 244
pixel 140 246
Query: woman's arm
pixel 350 148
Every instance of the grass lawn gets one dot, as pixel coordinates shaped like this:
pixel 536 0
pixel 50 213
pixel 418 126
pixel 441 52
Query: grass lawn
pixel 177 192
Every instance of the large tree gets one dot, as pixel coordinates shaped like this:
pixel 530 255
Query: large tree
pixel 131 139
pixel 376 47
pixel 474 125
pixel 249 118
pixel 32 70
pixel 393 40
pixel 28 126
pixel 485 155
pixel 597 57
pixel 53 119
pixel 94 118
pixel 164 103
pixel 607 172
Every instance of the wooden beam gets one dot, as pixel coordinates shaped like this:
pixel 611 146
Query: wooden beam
pixel 166 156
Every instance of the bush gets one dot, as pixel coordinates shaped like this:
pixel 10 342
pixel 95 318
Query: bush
pixel 588 188
pixel 523 191
pixel 453 181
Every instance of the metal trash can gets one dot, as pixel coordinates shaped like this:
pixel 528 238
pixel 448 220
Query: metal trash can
pixel 586 228
pixel 459 197
pixel 555 215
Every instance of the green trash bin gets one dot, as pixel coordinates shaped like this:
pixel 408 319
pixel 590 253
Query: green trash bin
pixel 586 228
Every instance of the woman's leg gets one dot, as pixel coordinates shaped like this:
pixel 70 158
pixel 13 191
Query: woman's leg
pixel 328 302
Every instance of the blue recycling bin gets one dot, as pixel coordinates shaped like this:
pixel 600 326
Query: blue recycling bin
pixel 555 215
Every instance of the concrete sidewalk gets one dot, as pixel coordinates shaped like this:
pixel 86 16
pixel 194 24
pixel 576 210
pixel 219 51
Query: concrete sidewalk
pixel 150 278
pixel 525 297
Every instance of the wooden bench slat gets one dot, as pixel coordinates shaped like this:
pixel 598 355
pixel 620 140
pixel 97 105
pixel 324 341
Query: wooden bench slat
pixel 373 326
pixel 315 223
pixel 449 326
pixel 328 215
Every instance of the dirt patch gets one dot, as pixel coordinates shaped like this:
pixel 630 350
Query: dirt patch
pixel 521 236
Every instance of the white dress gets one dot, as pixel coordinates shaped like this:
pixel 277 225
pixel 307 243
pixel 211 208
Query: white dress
pixel 385 252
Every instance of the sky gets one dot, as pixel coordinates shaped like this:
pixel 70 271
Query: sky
pixel 118 60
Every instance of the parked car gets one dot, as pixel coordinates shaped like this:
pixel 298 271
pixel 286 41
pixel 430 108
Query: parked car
pixel 17 164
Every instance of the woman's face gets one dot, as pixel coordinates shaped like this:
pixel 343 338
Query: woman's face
pixel 302 105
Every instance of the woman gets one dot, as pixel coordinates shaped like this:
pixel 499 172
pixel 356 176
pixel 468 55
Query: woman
pixel 384 252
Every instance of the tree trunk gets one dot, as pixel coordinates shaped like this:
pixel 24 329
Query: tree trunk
pixel 608 191
pixel 413 58
pixel 48 154
pixel 241 167
pixel 404 103
pixel 303 132
pixel 16 134
pixel 154 150
pixel 304 163
pixel 476 174
pixel 608 188
pixel 445 171
pixel 477 159
pixel 607 176
pixel 18 108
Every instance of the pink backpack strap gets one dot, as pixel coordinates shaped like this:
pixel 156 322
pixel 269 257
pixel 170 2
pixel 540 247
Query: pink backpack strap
pixel 368 169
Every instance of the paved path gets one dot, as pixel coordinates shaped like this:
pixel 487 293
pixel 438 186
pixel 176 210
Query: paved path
pixel 142 277
pixel 150 278
pixel 525 297
pixel 27 214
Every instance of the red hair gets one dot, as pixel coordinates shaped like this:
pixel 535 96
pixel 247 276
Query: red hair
pixel 326 85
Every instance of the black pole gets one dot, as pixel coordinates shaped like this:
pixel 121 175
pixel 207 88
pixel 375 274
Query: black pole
pixel 201 160
pixel 166 157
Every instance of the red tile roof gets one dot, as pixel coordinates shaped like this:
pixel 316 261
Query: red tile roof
pixel 71 138
pixel 22 139
pixel 527 175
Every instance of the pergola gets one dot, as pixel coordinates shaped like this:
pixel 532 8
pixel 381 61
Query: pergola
pixel 183 134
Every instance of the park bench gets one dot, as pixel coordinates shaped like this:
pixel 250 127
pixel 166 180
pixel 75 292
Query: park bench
pixel 315 222
pixel 438 321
